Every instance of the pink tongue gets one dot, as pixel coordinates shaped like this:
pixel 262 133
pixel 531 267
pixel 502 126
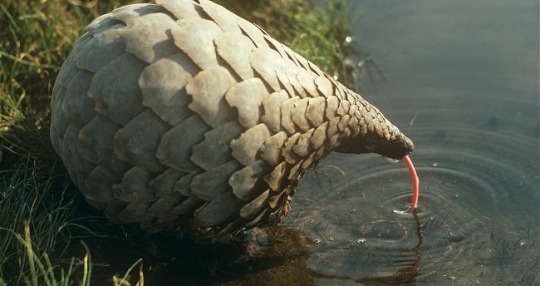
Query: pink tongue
pixel 415 183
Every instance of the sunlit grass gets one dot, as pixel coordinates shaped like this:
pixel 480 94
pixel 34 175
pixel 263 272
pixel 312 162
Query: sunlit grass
pixel 37 202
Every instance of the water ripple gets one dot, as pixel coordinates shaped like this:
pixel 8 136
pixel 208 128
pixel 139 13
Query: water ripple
pixel 469 179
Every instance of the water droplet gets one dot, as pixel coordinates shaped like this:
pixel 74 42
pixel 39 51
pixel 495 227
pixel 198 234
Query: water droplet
pixel 392 160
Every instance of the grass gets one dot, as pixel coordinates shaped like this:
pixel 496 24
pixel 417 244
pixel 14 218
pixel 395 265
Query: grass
pixel 39 209
pixel 42 272
pixel 26 199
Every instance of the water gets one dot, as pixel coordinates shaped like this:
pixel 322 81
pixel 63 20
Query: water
pixel 463 84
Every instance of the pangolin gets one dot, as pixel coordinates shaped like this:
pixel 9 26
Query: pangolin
pixel 183 116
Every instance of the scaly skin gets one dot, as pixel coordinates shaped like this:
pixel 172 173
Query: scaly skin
pixel 183 115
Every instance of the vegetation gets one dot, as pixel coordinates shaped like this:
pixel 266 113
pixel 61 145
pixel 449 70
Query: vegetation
pixel 40 211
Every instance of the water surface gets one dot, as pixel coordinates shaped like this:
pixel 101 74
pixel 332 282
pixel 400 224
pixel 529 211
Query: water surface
pixel 463 84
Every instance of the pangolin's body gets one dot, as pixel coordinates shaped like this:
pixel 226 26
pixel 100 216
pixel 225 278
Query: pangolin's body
pixel 183 114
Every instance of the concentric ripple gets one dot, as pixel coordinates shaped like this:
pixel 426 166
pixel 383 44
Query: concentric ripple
pixel 472 185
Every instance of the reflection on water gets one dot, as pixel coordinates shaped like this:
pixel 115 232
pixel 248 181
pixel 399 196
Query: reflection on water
pixel 463 85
